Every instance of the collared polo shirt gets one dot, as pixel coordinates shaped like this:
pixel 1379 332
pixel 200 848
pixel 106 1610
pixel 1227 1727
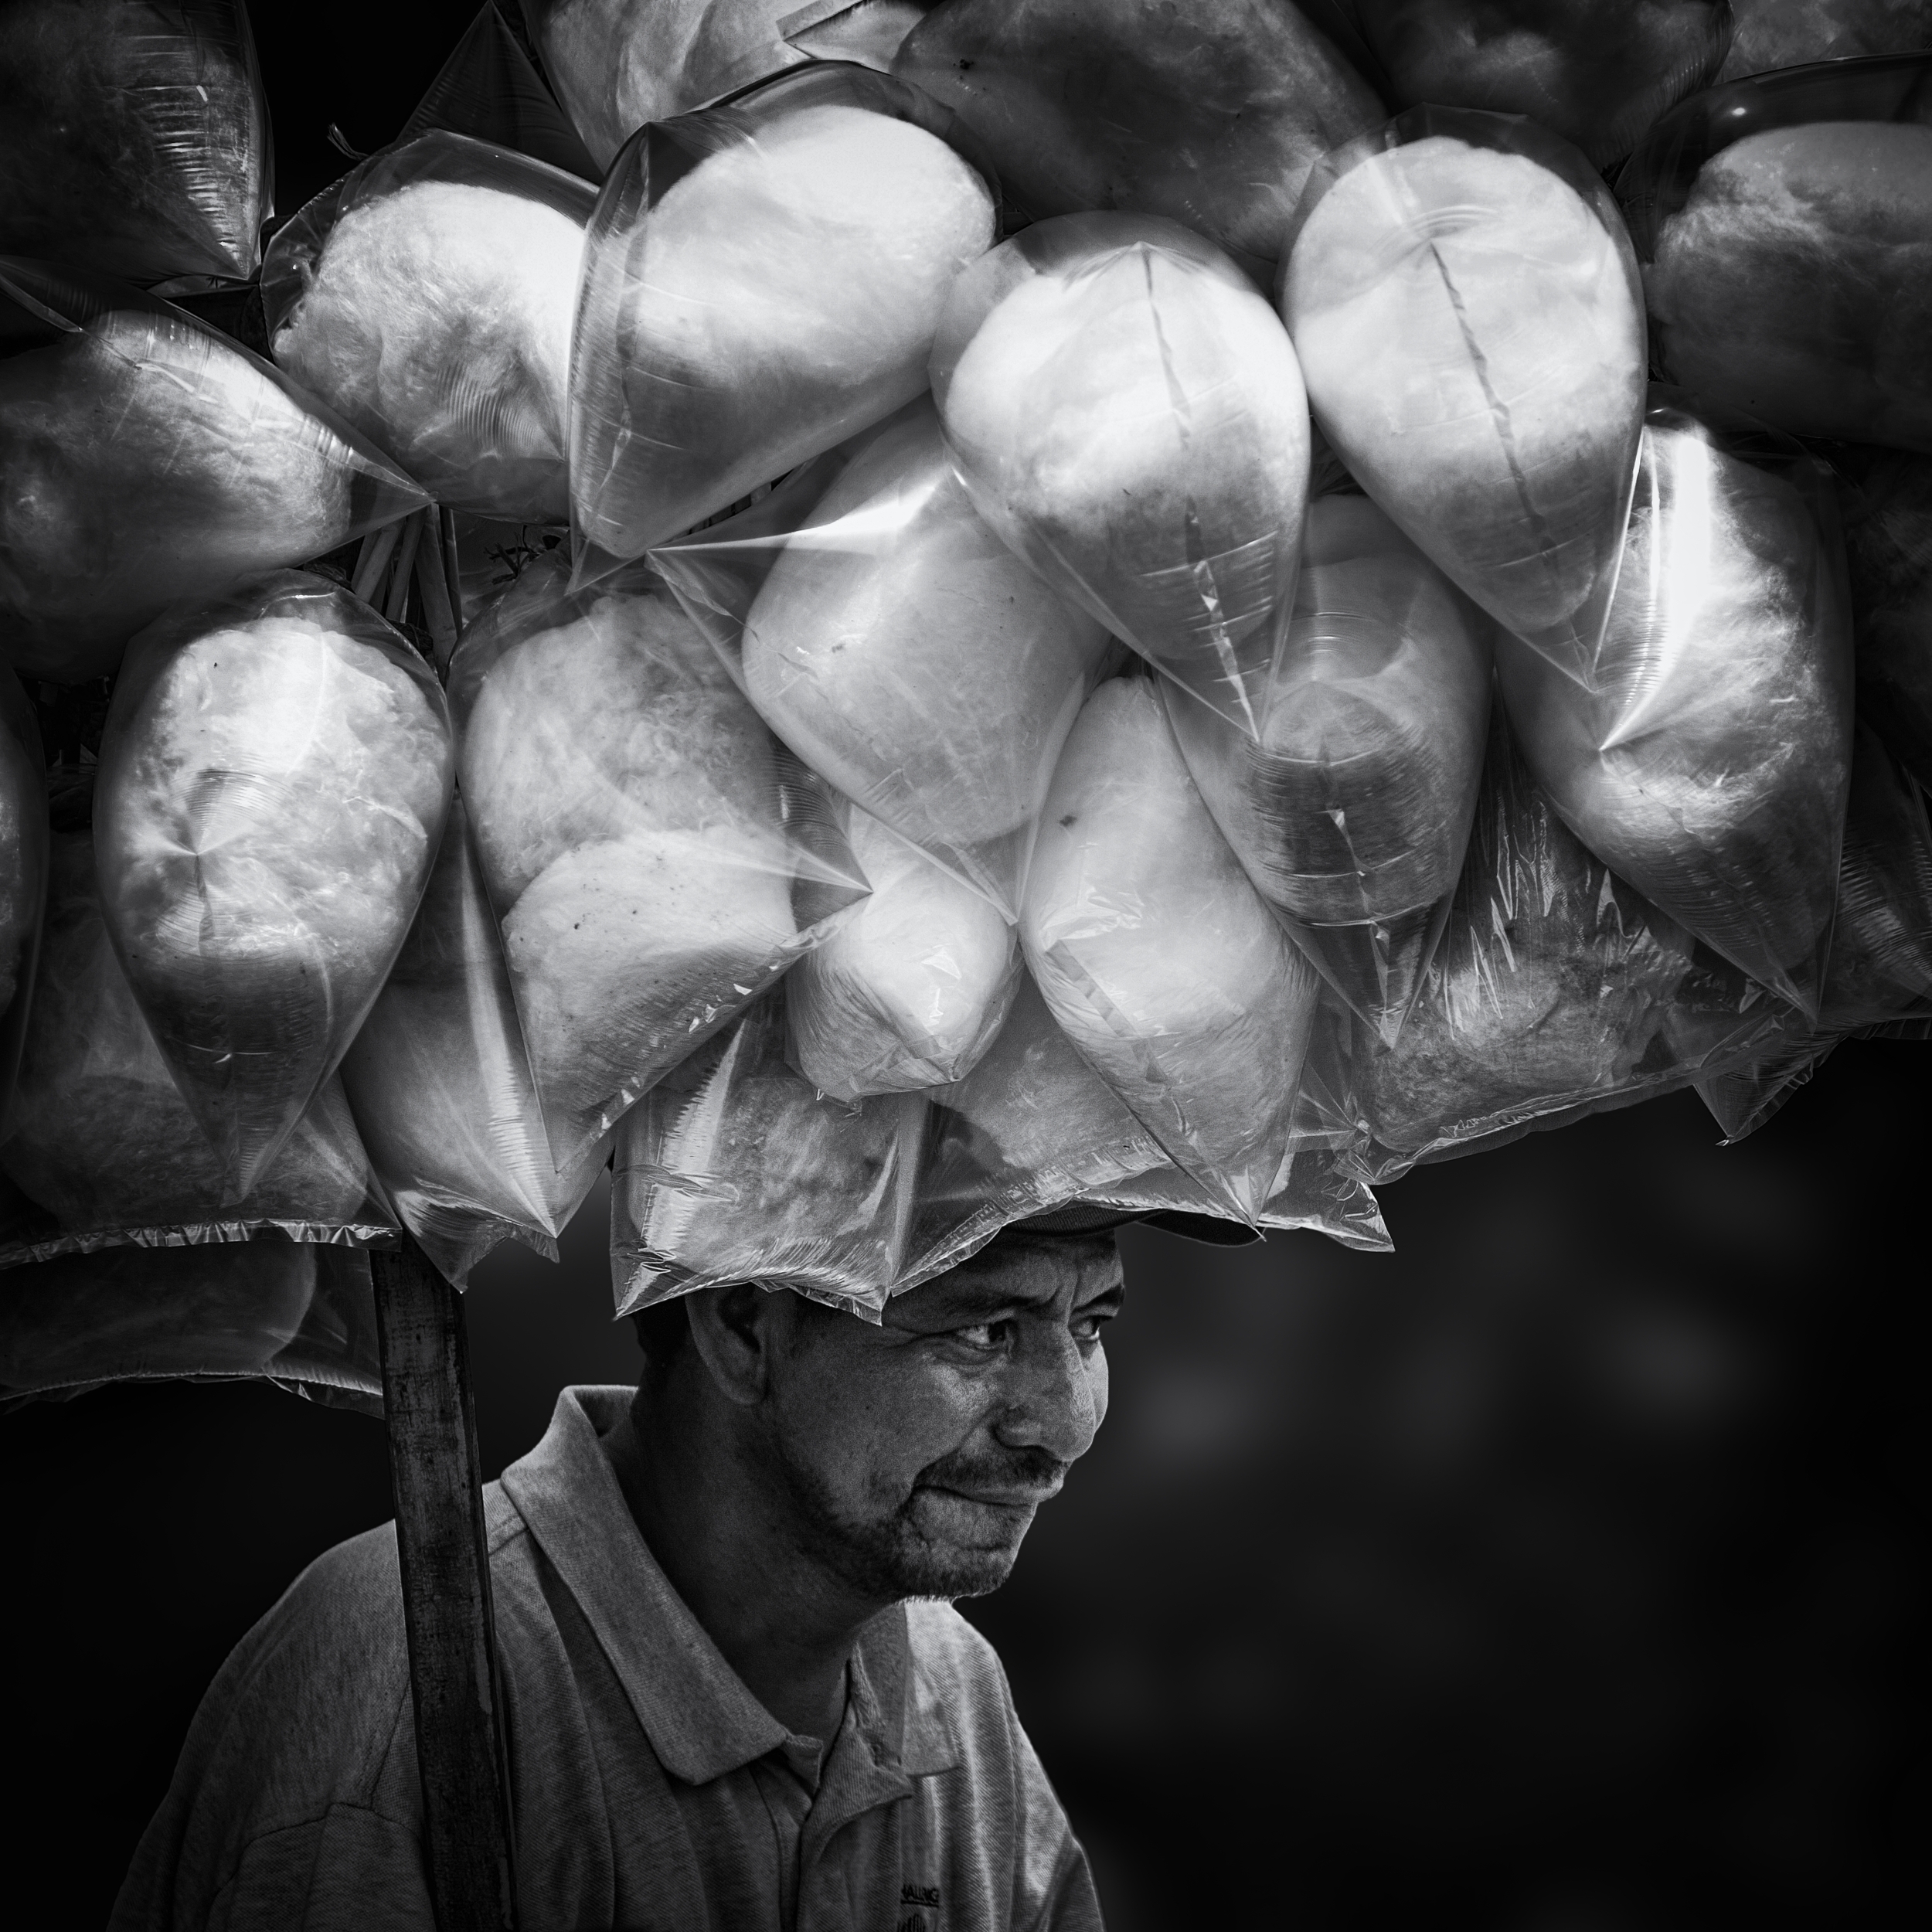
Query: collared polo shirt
pixel 650 1790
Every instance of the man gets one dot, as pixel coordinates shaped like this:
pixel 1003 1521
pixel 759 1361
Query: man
pixel 737 1694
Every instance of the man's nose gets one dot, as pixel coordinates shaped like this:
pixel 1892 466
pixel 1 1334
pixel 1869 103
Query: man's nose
pixel 1051 1398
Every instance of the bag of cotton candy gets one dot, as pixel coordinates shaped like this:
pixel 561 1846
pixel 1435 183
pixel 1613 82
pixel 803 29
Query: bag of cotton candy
pixel 150 460
pixel 274 776
pixel 427 299
pixel 655 860
pixel 762 281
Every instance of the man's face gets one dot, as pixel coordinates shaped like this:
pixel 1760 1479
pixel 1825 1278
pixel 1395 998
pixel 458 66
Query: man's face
pixel 916 1453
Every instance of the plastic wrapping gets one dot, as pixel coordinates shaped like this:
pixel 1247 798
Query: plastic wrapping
pixel 869 32
pixel 151 461
pixel 911 988
pixel 1127 412
pixel 1556 991
pixel 134 138
pixel 1596 72
pixel 888 636
pixel 1708 764
pixel 1885 498
pixel 440 1085
pixel 654 859
pixel 1766 34
pixel 105 1150
pixel 1159 959
pixel 762 281
pixel 23 875
pixel 427 298
pixel 274 776
pixel 1212 114
pixel 1781 223
pixel 296 1314
pixel 1351 813
pixel 1464 300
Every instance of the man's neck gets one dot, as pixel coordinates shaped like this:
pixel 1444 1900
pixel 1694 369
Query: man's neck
pixel 784 1625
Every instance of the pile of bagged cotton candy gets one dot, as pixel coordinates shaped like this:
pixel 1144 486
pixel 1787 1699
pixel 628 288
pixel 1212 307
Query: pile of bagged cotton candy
pixel 893 618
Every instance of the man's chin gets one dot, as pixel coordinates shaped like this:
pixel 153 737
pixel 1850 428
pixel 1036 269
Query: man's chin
pixel 955 1546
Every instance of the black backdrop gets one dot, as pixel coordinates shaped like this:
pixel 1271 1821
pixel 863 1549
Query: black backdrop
pixel 1567 1572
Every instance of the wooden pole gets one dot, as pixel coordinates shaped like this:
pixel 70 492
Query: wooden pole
pixel 437 1479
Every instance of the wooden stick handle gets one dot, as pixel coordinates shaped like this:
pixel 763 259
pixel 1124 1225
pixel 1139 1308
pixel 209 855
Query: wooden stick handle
pixel 440 1537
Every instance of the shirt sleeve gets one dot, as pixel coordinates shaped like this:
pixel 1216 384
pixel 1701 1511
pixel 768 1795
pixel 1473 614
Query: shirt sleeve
pixel 1052 1883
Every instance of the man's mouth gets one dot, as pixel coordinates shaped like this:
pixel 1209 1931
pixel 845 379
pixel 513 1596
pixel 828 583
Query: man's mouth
pixel 995 1499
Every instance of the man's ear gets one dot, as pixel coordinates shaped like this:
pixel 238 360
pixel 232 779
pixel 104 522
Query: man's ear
pixel 736 1330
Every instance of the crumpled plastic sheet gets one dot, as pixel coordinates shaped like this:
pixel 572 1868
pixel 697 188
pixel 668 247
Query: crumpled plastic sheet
pixel 23 875
pixel 427 298
pixel 762 281
pixel 1351 813
pixel 134 138
pixel 887 635
pixel 274 776
pixel 1213 116
pixel 1127 412
pixel 105 1152
pixel 1781 223
pixel 1556 992
pixel 1462 295
pixel 294 1313
pixel 440 1084
pixel 1157 957
pixel 1769 34
pixel 1596 72
pixel 151 461
pixel 1707 761
pixel 654 858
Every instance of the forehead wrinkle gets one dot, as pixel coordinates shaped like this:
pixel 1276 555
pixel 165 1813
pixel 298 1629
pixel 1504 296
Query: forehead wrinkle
pixel 1034 1275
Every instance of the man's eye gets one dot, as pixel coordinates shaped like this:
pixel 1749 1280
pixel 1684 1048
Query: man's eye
pixel 1086 1327
pixel 987 1335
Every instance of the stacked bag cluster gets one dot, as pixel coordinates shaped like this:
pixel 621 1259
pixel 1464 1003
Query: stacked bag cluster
pixel 890 618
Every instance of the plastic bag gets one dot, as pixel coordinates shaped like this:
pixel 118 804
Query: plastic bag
pixel 1556 991
pixel 106 1151
pixel 761 282
pixel 1352 812
pixel 1766 34
pixel 23 875
pixel 134 138
pixel 1708 765
pixel 1596 72
pixel 1781 223
pixel 1885 498
pixel 887 634
pixel 489 90
pixel 1463 297
pixel 911 988
pixel 869 32
pixel 1128 414
pixel 440 1085
pixel 150 460
pixel 274 776
pixel 1211 116
pixel 1159 959
pixel 427 298
pixel 654 859
pixel 292 1312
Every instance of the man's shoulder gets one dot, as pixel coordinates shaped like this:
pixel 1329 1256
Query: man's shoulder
pixel 958 1686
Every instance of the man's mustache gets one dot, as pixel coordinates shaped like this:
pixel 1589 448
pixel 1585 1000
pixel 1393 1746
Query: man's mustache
pixel 1030 1469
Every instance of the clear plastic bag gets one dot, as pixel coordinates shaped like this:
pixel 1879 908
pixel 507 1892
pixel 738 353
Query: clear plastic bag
pixel 1463 297
pixel 1213 116
pixel 23 875
pixel 151 461
pixel 1885 499
pixel 1352 812
pixel 105 1152
pixel 869 32
pixel 655 860
pixel 440 1085
pixel 1127 412
pixel 427 298
pixel 1768 34
pixel 134 138
pixel 1708 762
pixel 292 1312
pixel 911 988
pixel 887 635
pixel 1157 957
pixel 1596 72
pixel 274 776
pixel 762 281
pixel 1781 223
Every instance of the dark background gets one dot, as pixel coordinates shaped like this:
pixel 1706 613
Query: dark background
pixel 1566 1572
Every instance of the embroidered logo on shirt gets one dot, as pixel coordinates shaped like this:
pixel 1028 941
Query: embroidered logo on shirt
pixel 920 1895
